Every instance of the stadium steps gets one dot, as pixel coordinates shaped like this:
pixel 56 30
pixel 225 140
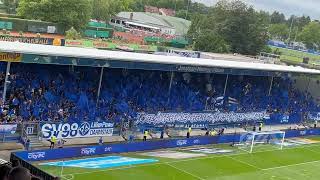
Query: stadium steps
pixel 35 142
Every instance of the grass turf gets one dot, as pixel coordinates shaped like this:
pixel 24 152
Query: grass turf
pixel 294 56
pixel 293 163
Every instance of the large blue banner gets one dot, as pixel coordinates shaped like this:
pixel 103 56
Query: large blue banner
pixel 76 130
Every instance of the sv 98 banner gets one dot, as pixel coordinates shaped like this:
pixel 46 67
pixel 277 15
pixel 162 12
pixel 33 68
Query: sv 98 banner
pixel 75 130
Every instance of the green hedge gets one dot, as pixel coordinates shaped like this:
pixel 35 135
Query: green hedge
pixel 152 39
pixel 96 34
pixel 103 34
pixel 22 24
pixel 99 25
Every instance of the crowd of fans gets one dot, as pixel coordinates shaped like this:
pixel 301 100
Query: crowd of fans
pixel 65 93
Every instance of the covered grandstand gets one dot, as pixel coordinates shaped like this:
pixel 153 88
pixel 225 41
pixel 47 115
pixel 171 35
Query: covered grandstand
pixel 193 90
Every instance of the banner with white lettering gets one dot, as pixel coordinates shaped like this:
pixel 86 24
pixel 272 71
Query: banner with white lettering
pixel 198 118
pixel 8 128
pixel 76 130
pixel 315 116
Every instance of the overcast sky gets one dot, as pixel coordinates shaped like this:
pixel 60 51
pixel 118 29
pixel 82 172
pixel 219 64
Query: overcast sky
pixel 288 7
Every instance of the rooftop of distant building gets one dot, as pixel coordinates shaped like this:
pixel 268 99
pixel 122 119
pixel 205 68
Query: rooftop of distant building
pixel 181 25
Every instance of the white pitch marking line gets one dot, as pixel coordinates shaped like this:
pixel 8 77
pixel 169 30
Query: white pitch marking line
pixel 243 162
pixel 193 159
pixel 290 165
pixel 66 177
pixel 184 171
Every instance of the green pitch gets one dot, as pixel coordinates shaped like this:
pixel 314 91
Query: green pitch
pixel 295 163
pixel 295 57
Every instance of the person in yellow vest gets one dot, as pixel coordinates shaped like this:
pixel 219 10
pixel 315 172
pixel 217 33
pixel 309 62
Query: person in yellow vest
pixel 213 132
pixel 260 127
pixel 53 140
pixel 145 134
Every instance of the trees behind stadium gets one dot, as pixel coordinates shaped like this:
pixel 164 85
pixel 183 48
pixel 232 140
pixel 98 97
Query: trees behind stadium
pixel 227 27
pixel 233 25
pixel 242 29
pixel 71 13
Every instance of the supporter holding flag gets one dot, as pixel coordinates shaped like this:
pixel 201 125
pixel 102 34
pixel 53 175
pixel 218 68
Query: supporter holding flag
pixel 49 96
pixel 83 101
pixel 15 102
pixel 219 101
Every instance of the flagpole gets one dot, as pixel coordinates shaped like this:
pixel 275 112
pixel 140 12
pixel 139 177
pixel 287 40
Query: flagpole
pixel 225 85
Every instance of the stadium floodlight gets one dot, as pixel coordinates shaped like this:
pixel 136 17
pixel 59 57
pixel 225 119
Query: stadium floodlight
pixel 269 139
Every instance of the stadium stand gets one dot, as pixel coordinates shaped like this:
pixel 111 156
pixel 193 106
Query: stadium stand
pixel 140 92
pixel 61 93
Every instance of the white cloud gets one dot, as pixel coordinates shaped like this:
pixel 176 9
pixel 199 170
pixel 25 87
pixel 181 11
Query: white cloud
pixel 288 7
